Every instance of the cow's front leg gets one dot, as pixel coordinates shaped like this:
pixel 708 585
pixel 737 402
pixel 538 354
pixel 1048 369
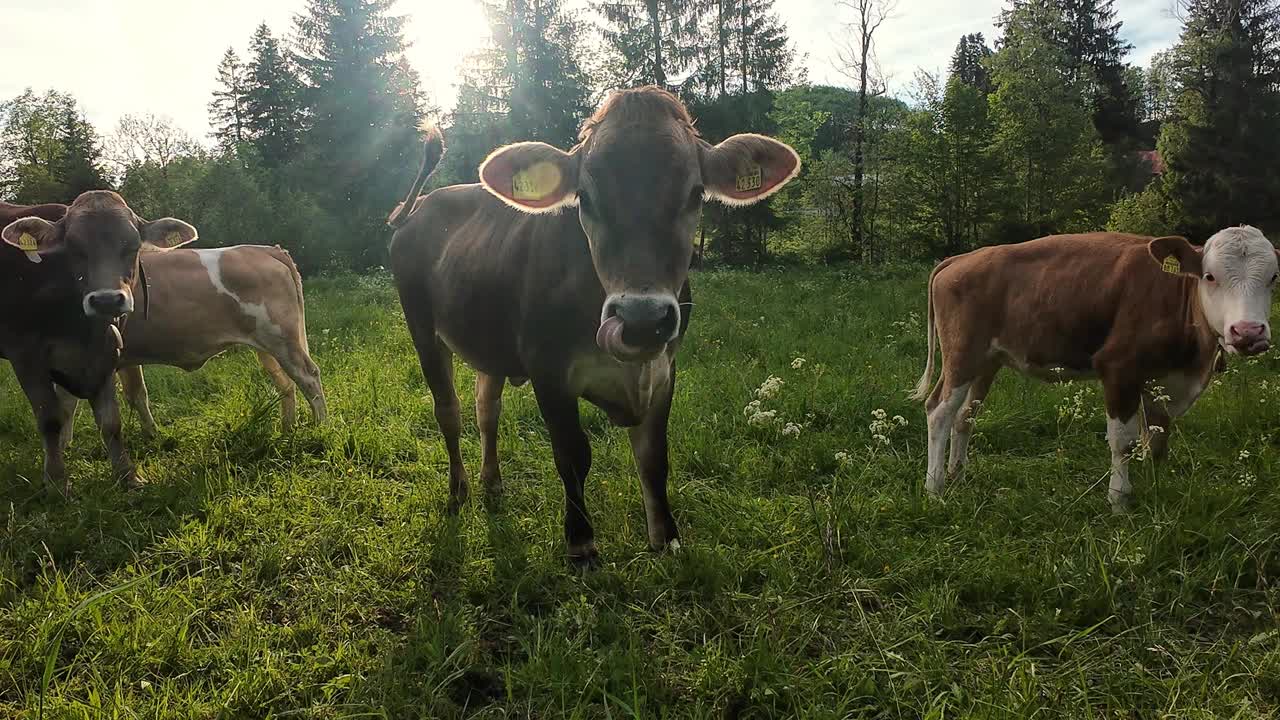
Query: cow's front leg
pixel 68 404
pixel 649 446
pixel 572 454
pixel 49 412
pixel 106 412
pixel 1122 393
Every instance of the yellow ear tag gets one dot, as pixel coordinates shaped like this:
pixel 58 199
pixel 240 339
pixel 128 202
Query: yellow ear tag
pixel 172 239
pixel 27 242
pixel 1171 265
pixel 536 181
pixel 752 180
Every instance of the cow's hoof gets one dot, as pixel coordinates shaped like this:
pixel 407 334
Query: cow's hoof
pixel 454 506
pixel 584 557
pixel 669 546
pixel 1121 503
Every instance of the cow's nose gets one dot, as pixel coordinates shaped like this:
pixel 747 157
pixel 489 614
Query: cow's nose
pixel 107 303
pixel 1249 337
pixel 648 321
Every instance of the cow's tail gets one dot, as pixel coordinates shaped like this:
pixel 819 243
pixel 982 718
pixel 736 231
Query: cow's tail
pixel 925 385
pixel 432 150
pixel 284 258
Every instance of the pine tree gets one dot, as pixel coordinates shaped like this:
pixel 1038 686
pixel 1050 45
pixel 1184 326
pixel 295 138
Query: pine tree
pixel 1221 148
pixel 363 107
pixel 272 101
pixel 655 40
pixel 78 166
pixel 968 62
pixel 1043 133
pixel 227 110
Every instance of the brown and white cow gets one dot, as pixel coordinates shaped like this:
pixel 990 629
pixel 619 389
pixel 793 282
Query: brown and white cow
pixel 206 301
pixel 569 269
pixel 65 285
pixel 1132 311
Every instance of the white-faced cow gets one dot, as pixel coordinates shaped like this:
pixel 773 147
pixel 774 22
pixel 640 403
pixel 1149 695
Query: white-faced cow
pixel 1131 311
pixel 588 302
pixel 206 301
pixel 65 285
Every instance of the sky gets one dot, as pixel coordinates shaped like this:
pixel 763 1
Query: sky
pixel 160 56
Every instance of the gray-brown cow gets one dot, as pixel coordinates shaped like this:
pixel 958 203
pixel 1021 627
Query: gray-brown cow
pixel 64 286
pixel 569 269
pixel 1127 309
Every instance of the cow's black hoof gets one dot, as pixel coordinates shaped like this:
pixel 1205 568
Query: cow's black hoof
pixel 584 558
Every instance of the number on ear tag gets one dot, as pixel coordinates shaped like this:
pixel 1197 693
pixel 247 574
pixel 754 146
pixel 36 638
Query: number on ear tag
pixel 172 239
pixel 1171 265
pixel 27 242
pixel 536 181
pixel 752 180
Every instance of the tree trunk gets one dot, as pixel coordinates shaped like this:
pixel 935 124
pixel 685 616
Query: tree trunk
pixel 720 27
pixel 655 20
pixel 743 43
pixel 859 134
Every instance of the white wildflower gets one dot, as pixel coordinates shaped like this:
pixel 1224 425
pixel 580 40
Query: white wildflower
pixel 762 418
pixel 791 429
pixel 1155 429
pixel 752 408
pixel 879 414
pixel 900 421
pixel 798 363
pixel 769 387
pixel 842 457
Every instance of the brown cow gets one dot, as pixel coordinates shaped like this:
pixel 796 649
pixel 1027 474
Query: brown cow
pixel 1132 311
pixel 65 286
pixel 588 302
pixel 209 300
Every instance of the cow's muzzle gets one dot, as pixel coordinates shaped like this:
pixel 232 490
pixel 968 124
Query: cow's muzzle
pixel 635 328
pixel 1249 338
pixel 107 303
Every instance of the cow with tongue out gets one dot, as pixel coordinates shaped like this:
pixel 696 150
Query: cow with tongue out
pixel 570 270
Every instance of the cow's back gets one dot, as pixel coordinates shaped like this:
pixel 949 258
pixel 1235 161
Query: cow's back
pixel 1056 301
pixel 203 301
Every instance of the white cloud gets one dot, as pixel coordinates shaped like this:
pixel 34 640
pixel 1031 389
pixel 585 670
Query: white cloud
pixel 160 56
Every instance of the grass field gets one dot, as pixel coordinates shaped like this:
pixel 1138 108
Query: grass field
pixel 315 575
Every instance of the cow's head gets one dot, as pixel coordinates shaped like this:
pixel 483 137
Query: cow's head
pixel 98 239
pixel 638 179
pixel 1236 273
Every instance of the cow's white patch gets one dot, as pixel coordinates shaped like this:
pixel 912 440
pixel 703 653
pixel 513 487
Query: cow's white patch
pixel 212 259
pixel 633 388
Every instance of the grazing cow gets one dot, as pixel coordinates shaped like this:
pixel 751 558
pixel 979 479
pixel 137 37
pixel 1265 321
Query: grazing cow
pixel 1129 310
pixel 588 302
pixel 206 301
pixel 66 285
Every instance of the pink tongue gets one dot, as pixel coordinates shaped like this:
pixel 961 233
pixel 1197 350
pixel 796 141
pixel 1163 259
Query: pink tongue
pixel 609 336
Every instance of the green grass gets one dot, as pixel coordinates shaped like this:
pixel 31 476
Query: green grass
pixel 316 575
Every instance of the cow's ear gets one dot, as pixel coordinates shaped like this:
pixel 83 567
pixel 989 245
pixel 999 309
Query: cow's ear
pixel 33 236
pixel 167 233
pixel 532 177
pixel 748 168
pixel 1177 256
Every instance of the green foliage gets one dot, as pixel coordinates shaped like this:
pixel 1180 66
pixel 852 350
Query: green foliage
pixel 228 114
pixel 48 150
pixel 273 109
pixel 1221 145
pixel 316 575
pixel 1043 134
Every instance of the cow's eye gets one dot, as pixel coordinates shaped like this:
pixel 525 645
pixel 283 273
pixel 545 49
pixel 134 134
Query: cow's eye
pixel 1208 277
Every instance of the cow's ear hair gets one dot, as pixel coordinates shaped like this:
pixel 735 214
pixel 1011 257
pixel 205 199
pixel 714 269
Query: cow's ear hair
pixel 1177 256
pixel 167 233
pixel 532 177
pixel 32 235
pixel 747 168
